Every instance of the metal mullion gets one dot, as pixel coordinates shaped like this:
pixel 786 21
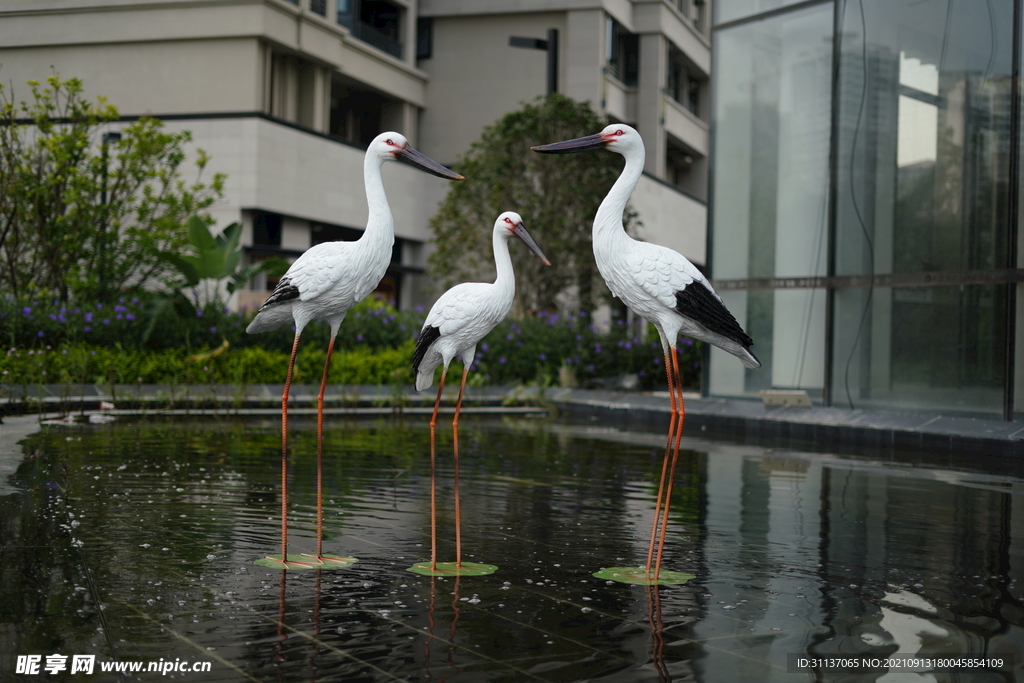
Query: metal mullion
pixel 1013 201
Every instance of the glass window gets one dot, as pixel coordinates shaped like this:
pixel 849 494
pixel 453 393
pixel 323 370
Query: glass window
pixel 680 85
pixel 622 50
pixel 922 180
pixel 771 186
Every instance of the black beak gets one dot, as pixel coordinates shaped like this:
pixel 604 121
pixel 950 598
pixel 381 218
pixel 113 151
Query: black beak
pixel 522 233
pixel 569 146
pixel 425 163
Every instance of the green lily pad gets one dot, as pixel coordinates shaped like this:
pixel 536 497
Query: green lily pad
pixel 642 576
pixel 452 569
pixel 306 562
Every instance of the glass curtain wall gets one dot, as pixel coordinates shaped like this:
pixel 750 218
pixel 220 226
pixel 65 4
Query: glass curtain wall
pixel 914 254
pixel 772 112
pixel 923 187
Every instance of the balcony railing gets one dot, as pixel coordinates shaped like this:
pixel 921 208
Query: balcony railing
pixel 380 40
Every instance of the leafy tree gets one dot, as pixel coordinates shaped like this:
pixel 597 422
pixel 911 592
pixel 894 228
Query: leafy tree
pixel 557 196
pixel 81 217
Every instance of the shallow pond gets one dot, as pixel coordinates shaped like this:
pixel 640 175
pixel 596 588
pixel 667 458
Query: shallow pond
pixel 135 542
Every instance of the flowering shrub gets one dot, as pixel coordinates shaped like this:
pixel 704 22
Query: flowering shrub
pixel 37 324
pixel 536 348
pixel 50 343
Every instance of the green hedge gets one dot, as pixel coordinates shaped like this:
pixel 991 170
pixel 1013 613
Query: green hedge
pixel 85 364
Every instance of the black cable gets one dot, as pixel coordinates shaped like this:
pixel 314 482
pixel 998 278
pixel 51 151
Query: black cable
pixel 853 198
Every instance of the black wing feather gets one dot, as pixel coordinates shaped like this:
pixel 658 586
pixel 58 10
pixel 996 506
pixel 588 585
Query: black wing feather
pixel 698 303
pixel 428 336
pixel 285 291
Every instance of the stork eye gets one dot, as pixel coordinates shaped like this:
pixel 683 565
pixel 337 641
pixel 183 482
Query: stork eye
pixel 509 221
pixel 620 132
pixel 391 142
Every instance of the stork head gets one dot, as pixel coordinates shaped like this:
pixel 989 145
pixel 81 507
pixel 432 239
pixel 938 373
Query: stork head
pixel 617 137
pixel 394 146
pixel 511 223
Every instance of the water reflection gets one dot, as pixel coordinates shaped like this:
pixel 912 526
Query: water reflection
pixel 134 542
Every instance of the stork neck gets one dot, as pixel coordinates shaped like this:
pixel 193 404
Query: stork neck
pixel 608 221
pixel 379 223
pixel 505 280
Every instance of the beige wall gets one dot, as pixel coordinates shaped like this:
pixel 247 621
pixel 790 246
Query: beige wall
pixel 476 77
pixel 131 47
pixel 159 78
pixel 276 168
pixel 671 219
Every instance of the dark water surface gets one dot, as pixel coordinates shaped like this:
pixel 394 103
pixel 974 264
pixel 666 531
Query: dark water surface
pixel 135 542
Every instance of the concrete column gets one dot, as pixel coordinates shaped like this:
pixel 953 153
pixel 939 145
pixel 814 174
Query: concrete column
pixel 400 117
pixel 582 56
pixel 650 101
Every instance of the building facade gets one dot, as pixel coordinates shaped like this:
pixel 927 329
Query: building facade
pixel 864 201
pixel 285 94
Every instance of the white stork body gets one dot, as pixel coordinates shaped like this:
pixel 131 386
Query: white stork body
pixel 463 316
pixel 325 283
pixel 658 284
pixel 457 321
pixel 655 282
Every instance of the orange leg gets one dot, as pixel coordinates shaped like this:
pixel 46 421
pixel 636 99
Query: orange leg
pixel 320 456
pixel 433 475
pixel 455 434
pixel 675 461
pixel 664 463
pixel 284 454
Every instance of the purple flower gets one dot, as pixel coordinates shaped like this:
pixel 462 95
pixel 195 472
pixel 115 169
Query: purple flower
pixel 62 318
pixel 199 314
pixel 88 329
pixel 501 360
pixel 135 299
pixel 627 345
pixel 508 337
pixel 130 317
pixel 359 337
pixel 99 306
pixel 213 330
pixel 590 367
pixel 119 316
pixel 120 309
pixel 106 321
pixel 26 311
pixel 543 356
pixel 484 347
pixel 88 317
pixel 39 334
pixel 657 361
pixel 53 316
